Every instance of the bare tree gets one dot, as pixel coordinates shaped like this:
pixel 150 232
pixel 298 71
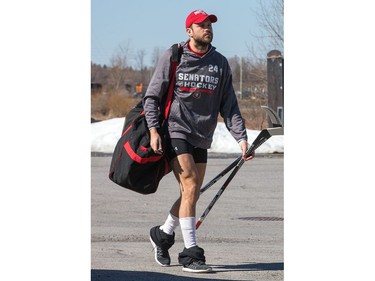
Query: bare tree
pixel 156 55
pixel 119 62
pixel 95 72
pixel 270 18
pixel 139 59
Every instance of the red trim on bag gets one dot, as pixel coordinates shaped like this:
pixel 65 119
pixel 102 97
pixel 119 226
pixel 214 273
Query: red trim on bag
pixel 170 90
pixel 135 157
pixel 143 148
pixel 131 125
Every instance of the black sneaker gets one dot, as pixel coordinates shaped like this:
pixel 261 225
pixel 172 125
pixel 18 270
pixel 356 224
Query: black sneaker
pixel 161 243
pixel 197 266
pixel 193 260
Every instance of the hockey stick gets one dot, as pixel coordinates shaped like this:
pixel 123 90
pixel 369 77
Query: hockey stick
pixel 275 123
pixel 273 116
pixel 220 175
pixel 263 136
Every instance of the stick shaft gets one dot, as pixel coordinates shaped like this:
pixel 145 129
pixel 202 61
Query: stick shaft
pixel 261 138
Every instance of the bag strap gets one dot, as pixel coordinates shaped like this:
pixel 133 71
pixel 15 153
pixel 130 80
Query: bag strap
pixel 175 60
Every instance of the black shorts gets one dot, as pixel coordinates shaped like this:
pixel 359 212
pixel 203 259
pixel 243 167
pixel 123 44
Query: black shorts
pixel 180 146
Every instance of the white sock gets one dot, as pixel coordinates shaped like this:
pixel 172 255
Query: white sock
pixel 188 231
pixel 170 224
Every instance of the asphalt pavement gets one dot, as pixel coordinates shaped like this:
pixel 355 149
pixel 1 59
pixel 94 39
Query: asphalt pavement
pixel 242 235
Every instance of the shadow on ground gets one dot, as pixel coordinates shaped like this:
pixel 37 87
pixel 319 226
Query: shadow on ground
pixel 251 267
pixel 119 275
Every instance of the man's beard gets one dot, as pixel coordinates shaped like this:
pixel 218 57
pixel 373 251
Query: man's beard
pixel 204 41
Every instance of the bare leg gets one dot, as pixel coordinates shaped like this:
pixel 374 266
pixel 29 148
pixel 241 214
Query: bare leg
pixel 190 177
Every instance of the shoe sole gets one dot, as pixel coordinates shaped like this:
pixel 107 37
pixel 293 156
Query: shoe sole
pixel 156 254
pixel 186 269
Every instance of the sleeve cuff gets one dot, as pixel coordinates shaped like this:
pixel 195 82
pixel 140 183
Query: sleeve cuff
pixel 241 140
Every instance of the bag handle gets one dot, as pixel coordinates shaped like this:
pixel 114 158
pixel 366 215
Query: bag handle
pixel 175 59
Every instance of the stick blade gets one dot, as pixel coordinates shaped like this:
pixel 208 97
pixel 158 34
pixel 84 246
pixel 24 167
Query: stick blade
pixel 273 116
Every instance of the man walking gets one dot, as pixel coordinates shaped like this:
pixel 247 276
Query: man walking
pixel 203 89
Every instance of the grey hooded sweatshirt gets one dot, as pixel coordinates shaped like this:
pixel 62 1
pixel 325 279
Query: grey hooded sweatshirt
pixel 203 89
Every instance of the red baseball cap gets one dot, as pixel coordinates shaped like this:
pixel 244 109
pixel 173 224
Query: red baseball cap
pixel 199 16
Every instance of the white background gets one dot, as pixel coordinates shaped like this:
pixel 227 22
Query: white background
pixel 45 161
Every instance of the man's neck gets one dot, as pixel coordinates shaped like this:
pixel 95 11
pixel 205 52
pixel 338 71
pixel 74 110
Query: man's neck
pixel 199 50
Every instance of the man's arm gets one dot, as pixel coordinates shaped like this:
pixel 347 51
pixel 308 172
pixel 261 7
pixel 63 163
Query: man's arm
pixel 157 88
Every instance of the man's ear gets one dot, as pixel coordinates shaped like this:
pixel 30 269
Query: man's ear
pixel 189 31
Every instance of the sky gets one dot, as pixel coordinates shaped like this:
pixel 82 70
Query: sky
pixel 146 24
pixel 105 134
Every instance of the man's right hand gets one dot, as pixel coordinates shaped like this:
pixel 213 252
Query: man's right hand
pixel 155 141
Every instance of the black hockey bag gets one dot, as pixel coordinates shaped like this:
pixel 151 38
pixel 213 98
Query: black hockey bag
pixel 134 164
